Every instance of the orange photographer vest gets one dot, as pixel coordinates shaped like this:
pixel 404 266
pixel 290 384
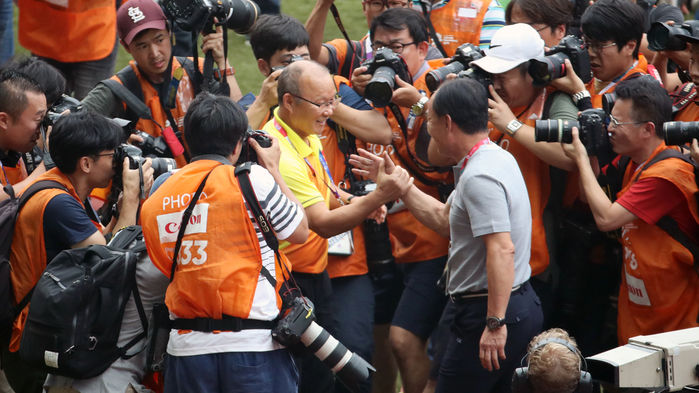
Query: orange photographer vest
pixel 536 177
pixel 219 262
pixel 458 22
pixel 355 264
pixel 412 241
pixel 80 30
pixel 597 93
pixel 28 250
pixel 659 288
pixel 13 174
pixel 185 95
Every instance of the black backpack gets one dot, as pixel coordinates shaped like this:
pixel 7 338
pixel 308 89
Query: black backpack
pixel 77 307
pixel 9 210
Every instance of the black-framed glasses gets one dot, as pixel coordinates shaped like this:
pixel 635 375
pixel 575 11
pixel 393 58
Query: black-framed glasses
pixel 396 47
pixel 616 123
pixel 596 46
pixel 329 104
pixel 379 5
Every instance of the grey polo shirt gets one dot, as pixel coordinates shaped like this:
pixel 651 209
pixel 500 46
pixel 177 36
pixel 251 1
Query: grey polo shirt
pixel 489 197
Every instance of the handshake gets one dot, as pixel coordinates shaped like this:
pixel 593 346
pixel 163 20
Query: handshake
pixel 390 179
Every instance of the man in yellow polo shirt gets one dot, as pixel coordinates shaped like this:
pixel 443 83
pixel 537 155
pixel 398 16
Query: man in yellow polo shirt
pixel 307 98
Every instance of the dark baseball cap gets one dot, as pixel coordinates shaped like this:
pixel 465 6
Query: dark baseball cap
pixel 134 16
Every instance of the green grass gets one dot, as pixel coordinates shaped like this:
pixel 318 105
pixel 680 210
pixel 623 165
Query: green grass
pixel 240 54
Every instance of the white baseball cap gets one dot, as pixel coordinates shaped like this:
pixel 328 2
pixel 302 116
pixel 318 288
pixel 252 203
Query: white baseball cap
pixel 511 46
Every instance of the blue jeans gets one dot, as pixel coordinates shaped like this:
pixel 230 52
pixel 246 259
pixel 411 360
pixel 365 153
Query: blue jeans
pixel 232 372
pixel 7 42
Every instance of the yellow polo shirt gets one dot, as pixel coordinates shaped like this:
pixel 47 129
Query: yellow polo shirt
pixel 308 184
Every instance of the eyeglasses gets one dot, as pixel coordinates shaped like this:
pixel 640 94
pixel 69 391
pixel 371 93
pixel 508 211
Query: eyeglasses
pixel 616 123
pixel 596 46
pixel 533 25
pixel 379 5
pixel 396 47
pixel 330 104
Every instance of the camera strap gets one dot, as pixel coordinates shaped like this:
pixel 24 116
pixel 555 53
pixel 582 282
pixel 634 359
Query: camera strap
pixel 354 54
pixel 242 173
pixel 430 28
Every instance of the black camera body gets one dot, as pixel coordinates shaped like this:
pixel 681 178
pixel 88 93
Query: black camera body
pixel 552 66
pixel 680 132
pixel 152 146
pixel 479 75
pixel 160 165
pixel 662 36
pixel 247 153
pixel 195 15
pixel 384 67
pixel 377 241
pixel 65 103
pixel 591 124
pixel 465 54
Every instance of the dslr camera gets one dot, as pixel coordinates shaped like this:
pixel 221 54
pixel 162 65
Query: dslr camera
pixel 680 132
pixel 194 15
pixel 65 103
pixel 552 66
pixel 247 153
pixel 465 54
pixel 662 36
pixel 160 164
pixel 377 241
pixel 384 67
pixel 152 146
pixel 592 126
pixel 479 75
pixel 297 324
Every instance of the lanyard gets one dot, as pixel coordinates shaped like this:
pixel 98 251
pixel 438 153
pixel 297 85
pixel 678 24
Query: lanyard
pixel 470 154
pixel 615 81
pixel 321 157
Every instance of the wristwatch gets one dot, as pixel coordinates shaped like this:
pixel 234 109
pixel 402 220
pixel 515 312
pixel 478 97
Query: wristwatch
pixel 494 322
pixel 513 126
pixel 419 107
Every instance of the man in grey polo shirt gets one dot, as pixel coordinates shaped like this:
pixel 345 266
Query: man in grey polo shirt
pixel 488 218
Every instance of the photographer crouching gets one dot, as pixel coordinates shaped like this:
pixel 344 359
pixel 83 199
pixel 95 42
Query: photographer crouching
pixel 224 290
pixel 83 146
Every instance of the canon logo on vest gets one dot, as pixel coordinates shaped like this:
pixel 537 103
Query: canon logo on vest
pixel 169 224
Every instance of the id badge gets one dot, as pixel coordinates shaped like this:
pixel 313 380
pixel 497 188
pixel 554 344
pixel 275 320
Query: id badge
pixel 341 245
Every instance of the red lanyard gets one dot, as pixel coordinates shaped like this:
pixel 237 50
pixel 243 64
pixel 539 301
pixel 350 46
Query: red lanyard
pixel 321 157
pixel 470 154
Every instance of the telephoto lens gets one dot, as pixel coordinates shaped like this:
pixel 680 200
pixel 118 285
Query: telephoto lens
pixel 555 130
pixel 680 132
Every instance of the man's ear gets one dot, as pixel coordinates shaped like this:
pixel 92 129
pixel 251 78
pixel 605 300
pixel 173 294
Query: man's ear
pixel 85 164
pixel 287 100
pixel 126 47
pixel 4 121
pixel 422 48
pixel 264 67
pixel 559 31
pixel 630 46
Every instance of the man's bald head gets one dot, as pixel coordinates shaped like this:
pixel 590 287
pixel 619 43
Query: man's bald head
pixel 298 74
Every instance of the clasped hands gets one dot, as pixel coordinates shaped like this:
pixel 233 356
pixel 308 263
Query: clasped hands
pixel 392 181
